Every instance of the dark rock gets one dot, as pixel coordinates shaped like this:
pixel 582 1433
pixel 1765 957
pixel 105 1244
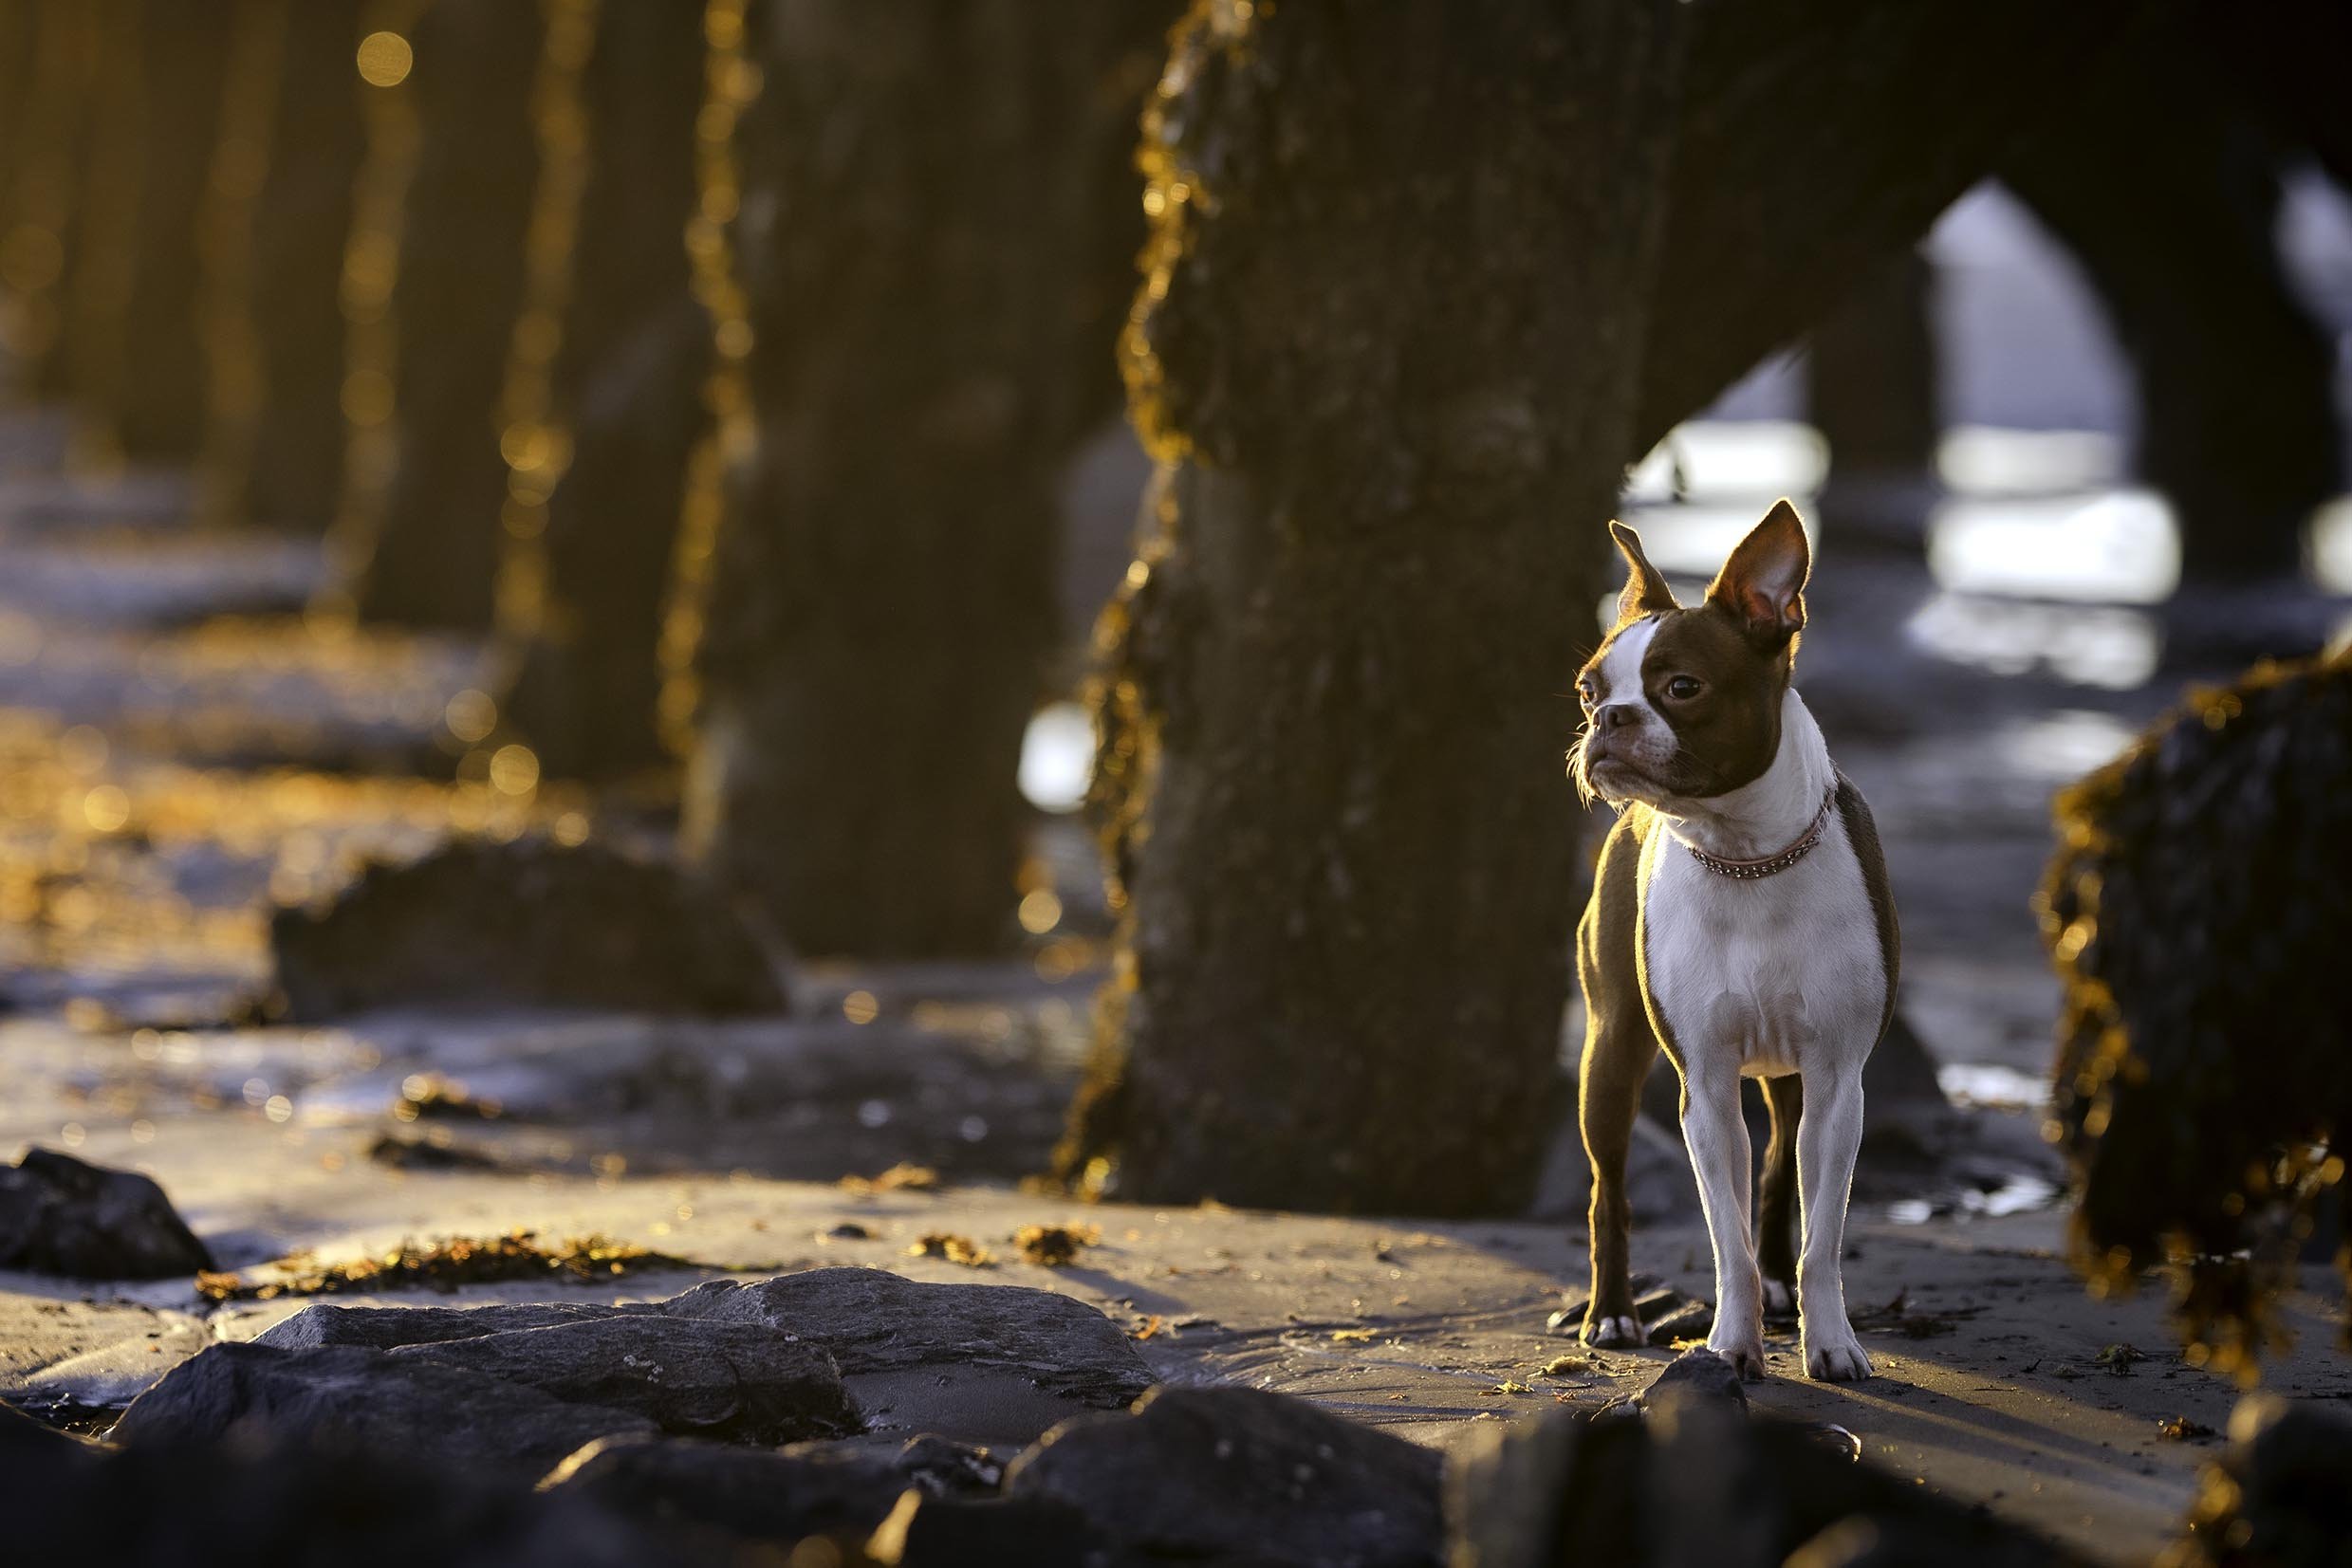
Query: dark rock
pixel 380 1328
pixel 1227 1473
pixel 767 1494
pixel 993 1364
pixel 365 1400
pixel 529 923
pixel 751 1494
pixel 1696 1383
pixel 1722 1493
pixel 401 1153
pixel 945 1467
pixel 930 1532
pixel 2282 1502
pixel 23 1437
pixel 295 1503
pixel 716 1379
pixel 60 1215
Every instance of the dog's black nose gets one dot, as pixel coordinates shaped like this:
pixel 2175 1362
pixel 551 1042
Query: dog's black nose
pixel 1618 714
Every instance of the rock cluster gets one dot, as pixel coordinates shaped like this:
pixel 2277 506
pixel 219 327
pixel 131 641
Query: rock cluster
pixel 843 1403
pixel 871 1415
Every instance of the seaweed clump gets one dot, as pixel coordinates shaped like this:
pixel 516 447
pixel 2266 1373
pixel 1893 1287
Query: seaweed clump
pixel 2199 915
pixel 954 1248
pixel 452 1265
pixel 1055 1246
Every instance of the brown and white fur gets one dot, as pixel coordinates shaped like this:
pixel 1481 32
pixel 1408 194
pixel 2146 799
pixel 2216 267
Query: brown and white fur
pixel 1694 731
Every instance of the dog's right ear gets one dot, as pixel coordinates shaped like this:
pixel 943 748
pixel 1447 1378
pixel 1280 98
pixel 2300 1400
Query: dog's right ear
pixel 1645 586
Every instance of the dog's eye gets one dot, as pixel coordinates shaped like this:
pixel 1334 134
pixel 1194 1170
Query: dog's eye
pixel 1683 688
pixel 1586 692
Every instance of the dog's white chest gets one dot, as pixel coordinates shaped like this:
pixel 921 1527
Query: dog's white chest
pixel 1763 975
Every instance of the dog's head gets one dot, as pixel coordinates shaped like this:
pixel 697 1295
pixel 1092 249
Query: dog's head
pixel 1685 704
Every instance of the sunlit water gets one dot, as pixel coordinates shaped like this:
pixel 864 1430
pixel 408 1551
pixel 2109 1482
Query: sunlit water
pixel 1057 758
pixel 2016 1194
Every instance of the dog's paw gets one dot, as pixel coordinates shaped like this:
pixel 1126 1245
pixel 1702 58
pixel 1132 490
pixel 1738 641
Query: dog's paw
pixel 1779 1301
pixel 1614 1332
pixel 1836 1358
pixel 1745 1353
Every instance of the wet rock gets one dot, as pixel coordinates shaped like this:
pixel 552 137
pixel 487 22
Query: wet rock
pixel 1225 1473
pixel 765 1494
pixel 382 1327
pixel 529 923
pixel 1723 1493
pixel 354 1399
pixel 989 1364
pixel 2278 1498
pixel 60 1215
pixel 738 1381
pixel 297 1504
pixel 606 1370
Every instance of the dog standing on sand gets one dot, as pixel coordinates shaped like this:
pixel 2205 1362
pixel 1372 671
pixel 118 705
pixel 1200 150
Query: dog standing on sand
pixel 1740 917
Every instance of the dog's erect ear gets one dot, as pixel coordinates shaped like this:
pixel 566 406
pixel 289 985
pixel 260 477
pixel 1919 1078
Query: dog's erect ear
pixel 1645 586
pixel 1762 584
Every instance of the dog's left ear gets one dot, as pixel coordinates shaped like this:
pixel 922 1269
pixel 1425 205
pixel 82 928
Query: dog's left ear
pixel 1762 584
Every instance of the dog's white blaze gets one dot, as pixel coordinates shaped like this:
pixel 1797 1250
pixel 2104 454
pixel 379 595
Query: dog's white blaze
pixel 1620 667
pixel 1756 977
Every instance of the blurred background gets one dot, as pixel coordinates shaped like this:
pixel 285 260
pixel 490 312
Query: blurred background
pixel 695 431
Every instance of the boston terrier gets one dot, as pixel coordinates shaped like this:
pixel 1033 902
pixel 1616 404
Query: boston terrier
pixel 1740 917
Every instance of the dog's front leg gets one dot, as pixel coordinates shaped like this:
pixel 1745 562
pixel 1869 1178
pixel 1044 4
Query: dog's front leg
pixel 1827 1140
pixel 1717 1138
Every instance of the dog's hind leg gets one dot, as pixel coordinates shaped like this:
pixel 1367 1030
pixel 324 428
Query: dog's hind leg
pixel 1618 1053
pixel 1776 1208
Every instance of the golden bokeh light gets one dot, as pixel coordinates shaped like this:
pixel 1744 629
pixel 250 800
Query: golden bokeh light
pixel 107 808
pixel 514 769
pixel 1041 911
pixel 471 715
pixel 385 58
